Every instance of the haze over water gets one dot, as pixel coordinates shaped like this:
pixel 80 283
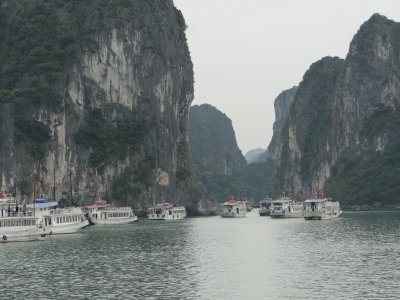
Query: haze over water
pixel 356 256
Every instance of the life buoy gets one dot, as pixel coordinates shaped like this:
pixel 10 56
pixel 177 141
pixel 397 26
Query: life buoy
pixel 4 237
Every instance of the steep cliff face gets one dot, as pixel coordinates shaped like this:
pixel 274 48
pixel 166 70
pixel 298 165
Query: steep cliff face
pixel 219 164
pixel 213 141
pixel 343 129
pixel 282 107
pixel 116 108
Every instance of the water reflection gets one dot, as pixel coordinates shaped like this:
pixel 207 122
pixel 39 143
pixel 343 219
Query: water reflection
pixel 353 257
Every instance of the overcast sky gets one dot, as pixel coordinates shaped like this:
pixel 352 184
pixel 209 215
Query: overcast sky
pixel 245 52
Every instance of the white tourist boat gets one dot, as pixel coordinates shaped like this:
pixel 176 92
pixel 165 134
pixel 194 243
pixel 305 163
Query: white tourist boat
pixel 249 206
pixel 15 223
pixel 233 209
pixel 265 206
pixel 56 220
pixel 104 214
pixel 166 211
pixel 286 208
pixel 321 209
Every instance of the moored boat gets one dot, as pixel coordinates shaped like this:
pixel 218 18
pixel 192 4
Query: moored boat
pixel 15 223
pixel 286 208
pixel 166 211
pixel 321 209
pixel 249 206
pixel 265 206
pixel 102 213
pixel 233 209
pixel 56 220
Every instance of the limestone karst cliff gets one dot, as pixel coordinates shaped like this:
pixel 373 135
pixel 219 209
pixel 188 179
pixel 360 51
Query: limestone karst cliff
pixel 95 96
pixel 213 141
pixel 342 134
pixel 219 164
pixel 282 107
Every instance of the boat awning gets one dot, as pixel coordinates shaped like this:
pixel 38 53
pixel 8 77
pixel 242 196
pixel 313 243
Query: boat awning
pixel 42 205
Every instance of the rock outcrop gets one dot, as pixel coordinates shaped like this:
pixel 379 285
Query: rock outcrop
pixel 282 107
pixel 111 89
pixel 342 133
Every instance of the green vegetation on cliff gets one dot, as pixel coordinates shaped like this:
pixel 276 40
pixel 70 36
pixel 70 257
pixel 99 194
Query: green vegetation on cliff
pixel 311 112
pixel 317 87
pixel 373 176
pixel 109 141
pixel 377 26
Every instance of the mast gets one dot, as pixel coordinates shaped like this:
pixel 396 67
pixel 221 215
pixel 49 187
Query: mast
pixel 54 181
pixel 34 194
pixel 70 183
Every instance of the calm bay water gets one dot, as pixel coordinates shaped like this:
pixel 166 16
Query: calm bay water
pixel 356 256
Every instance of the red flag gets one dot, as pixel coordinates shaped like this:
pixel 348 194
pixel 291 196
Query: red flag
pixel 53 189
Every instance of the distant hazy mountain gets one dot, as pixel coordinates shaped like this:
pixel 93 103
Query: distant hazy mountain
pixel 256 155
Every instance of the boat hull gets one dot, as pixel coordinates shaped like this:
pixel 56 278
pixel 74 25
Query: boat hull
pixel 287 215
pixel 114 221
pixel 227 215
pixel 321 216
pixel 65 228
pixel 166 217
pixel 21 236
pixel 264 213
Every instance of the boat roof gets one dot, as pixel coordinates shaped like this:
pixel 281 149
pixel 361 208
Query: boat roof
pixel 266 200
pixel 42 205
pixel 98 204
pixel 282 201
pixel 232 202
pixel 317 199
pixel 7 200
pixel 166 205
